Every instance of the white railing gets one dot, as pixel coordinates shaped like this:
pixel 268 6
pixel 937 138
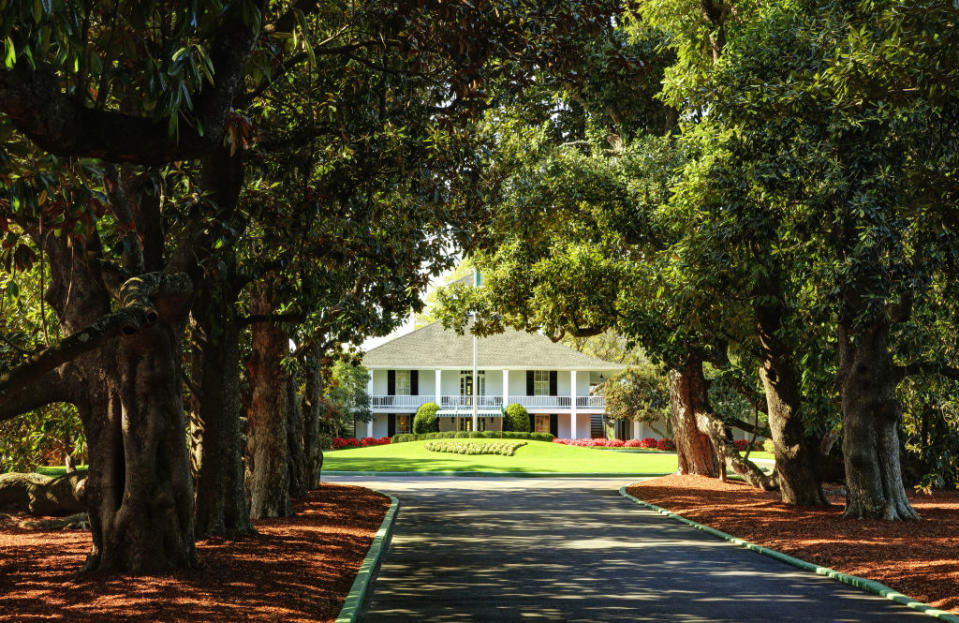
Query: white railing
pixel 591 402
pixel 559 402
pixel 385 402
pixel 390 401
pixel 467 401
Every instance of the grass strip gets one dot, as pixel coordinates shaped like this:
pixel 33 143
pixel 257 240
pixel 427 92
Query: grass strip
pixel 852 580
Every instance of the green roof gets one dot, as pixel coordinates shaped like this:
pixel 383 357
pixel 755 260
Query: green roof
pixel 435 347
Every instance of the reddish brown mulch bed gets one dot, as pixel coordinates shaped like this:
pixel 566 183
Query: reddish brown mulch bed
pixel 296 569
pixel 916 558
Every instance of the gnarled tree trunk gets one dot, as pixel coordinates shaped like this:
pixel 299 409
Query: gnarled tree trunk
pixel 687 396
pixel 871 416
pixel 795 451
pixel 127 391
pixel 267 450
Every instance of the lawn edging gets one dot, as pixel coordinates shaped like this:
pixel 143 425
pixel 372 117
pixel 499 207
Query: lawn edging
pixel 466 474
pixel 361 584
pixel 852 580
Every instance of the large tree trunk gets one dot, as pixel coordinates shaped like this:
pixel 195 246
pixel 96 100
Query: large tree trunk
pixel 217 438
pixel 795 450
pixel 312 395
pixel 267 451
pixel 687 396
pixel 138 491
pixel 221 506
pixel 295 428
pixel 871 415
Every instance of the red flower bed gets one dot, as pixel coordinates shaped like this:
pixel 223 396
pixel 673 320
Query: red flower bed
pixel 649 442
pixel 352 442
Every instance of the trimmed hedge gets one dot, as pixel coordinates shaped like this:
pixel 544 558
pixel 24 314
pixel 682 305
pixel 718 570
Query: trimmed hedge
pixel 487 434
pixel 516 418
pixel 425 419
pixel 503 448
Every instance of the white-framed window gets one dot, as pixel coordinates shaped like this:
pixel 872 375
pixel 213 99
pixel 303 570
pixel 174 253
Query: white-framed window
pixel 541 424
pixel 465 423
pixel 402 382
pixel 541 383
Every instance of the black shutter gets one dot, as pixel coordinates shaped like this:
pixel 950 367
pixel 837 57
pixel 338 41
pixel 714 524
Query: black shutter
pixel 552 382
pixel 554 425
pixel 414 382
pixel 530 384
pixel 391 424
pixel 532 422
pixel 391 382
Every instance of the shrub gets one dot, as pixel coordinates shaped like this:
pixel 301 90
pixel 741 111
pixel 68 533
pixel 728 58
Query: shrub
pixel 741 445
pixel 326 442
pixel 666 444
pixel 633 443
pixel 540 436
pixel 403 438
pixel 648 442
pixel 615 443
pixel 425 419
pixel 462 435
pixel 516 418
pixel 769 446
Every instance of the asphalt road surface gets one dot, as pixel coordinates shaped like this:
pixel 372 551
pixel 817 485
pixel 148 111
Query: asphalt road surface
pixel 573 549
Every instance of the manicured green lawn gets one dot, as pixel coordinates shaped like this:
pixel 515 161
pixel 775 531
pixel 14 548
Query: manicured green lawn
pixel 537 456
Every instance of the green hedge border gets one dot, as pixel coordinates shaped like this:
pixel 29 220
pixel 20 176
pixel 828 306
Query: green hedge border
pixel 361 585
pixel 870 586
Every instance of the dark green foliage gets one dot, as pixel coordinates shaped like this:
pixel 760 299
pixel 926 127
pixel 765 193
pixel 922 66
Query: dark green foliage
pixel 516 418
pixel 425 419
pixel 462 434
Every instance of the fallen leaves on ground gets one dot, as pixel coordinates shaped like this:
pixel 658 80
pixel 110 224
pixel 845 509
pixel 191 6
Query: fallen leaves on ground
pixel 916 558
pixel 296 569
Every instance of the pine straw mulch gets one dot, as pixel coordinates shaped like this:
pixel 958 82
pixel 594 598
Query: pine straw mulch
pixel 916 558
pixel 296 569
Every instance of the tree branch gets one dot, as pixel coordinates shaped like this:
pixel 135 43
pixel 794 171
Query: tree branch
pixel 927 368
pixel 47 389
pixel 142 305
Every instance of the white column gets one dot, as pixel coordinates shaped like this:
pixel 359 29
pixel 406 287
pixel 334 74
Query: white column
pixel 505 397
pixel 439 388
pixel 475 384
pixel 572 404
pixel 636 426
pixel 369 392
pixel 505 388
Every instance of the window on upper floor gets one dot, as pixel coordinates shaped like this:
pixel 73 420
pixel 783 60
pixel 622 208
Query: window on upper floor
pixel 402 382
pixel 541 382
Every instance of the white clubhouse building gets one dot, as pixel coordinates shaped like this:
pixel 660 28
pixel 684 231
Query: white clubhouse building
pixel 555 383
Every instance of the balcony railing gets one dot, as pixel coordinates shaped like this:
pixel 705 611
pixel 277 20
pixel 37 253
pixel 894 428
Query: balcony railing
pixel 467 401
pixel 381 402
pixel 591 402
pixel 559 402
pixel 390 401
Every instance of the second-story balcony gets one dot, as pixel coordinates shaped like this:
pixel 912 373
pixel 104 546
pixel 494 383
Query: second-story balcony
pixel 390 402
pixel 482 401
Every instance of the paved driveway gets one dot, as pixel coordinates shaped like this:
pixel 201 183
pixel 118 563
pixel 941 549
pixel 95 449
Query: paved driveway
pixel 564 549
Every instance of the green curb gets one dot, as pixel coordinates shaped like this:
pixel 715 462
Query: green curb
pixel 852 580
pixel 498 474
pixel 354 600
